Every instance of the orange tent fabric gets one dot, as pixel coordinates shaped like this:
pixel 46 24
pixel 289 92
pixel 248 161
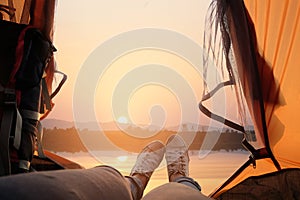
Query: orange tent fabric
pixel 278 37
pixel 260 41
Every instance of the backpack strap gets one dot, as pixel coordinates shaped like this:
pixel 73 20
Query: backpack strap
pixel 9 112
pixel 46 100
pixel 29 114
pixel 18 129
pixel 46 96
pixel 40 133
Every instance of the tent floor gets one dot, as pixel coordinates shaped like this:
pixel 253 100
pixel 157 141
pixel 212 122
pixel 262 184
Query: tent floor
pixel 284 184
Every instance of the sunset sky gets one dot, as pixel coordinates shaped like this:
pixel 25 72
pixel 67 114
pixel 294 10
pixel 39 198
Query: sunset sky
pixel 95 31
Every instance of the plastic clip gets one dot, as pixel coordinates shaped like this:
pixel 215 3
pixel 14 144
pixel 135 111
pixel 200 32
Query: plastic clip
pixel 9 97
pixel 253 160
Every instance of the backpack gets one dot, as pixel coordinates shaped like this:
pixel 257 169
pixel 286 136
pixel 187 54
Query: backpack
pixel 24 54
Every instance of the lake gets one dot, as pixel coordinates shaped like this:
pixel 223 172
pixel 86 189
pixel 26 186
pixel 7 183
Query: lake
pixel 210 170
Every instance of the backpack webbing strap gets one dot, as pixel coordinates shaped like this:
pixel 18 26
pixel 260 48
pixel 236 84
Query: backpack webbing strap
pixel 26 114
pixel 46 96
pixel 4 141
pixel 46 101
pixel 40 149
pixel 29 114
pixel 18 130
pixel 9 108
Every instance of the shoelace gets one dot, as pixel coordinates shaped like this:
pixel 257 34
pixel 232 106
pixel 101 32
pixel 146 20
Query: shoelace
pixel 148 163
pixel 177 162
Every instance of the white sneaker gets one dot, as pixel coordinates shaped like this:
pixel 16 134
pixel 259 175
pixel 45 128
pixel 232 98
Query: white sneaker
pixel 177 156
pixel 149 159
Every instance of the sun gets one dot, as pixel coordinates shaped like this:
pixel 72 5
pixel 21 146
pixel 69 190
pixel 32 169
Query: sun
pixel 122 158
pixel 122 120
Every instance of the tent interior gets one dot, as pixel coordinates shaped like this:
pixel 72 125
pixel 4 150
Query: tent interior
pixel 258 43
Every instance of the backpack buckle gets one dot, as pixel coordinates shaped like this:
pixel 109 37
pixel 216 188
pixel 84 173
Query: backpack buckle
pixel 9 97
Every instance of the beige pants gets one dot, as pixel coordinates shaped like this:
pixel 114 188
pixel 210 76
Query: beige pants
pixel 174 191
pixel 85 184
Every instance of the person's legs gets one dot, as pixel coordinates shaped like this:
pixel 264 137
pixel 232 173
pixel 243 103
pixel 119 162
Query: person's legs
pixel 188 182
pixel 147 161
pixel 174 191
pixel 101 182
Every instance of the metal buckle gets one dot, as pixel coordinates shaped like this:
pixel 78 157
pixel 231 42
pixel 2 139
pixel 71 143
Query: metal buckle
pixel 9 97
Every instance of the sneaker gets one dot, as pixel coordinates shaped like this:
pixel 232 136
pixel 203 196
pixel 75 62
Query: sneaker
pixel 149 159
pixel 177 157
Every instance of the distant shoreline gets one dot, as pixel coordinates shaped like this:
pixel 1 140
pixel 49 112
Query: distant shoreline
pixel 73 140
pixel 113 126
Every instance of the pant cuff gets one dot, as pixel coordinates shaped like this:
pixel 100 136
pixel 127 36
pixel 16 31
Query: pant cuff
pixel 189 182
pixel 136 187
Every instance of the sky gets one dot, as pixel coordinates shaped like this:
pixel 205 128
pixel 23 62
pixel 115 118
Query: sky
pixel 130 61
pixel 136 62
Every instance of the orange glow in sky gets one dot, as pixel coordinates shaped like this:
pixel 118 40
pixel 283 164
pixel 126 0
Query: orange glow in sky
pixel 83 27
